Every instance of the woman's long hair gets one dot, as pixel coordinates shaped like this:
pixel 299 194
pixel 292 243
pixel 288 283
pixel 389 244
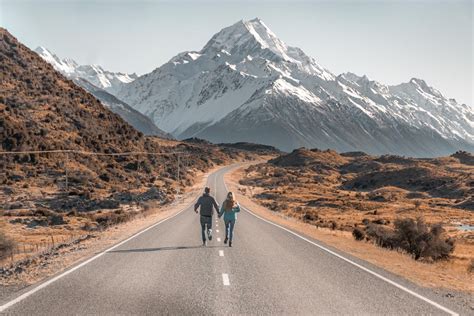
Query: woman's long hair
pixel 229 202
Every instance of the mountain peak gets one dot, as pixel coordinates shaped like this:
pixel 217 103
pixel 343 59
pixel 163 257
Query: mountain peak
pixel 421 84
pixel 65 66
pixel 417 81
pixel 247 84
pixel 252 36
pixel 93 73
pixel 41 49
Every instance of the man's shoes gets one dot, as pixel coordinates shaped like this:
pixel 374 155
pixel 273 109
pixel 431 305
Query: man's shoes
pixel 210 237
pixel 225 240
pixel 204 243
pixel 230 243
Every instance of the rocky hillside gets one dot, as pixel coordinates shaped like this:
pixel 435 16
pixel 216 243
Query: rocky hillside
pixel 41 110
pixel 98 82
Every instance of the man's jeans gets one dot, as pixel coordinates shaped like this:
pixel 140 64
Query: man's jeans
pixel 229 229
pixel 206 221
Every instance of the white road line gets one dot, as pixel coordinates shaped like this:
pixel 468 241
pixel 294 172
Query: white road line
pixel 215 185
pixel 225 279
pixel 401 287
pixel 217 230
pixel 221 253
pixel 50 281
pixel 218 239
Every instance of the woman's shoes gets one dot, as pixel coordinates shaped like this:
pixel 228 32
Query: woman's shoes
pixel 225 240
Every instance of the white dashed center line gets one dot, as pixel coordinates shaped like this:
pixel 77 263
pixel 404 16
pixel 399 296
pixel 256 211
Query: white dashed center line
pixel 221 253
pixel 218 239
pixel 225 279
pixel 217 230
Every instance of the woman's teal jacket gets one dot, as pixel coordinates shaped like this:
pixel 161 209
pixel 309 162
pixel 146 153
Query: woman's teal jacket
pixel 231 214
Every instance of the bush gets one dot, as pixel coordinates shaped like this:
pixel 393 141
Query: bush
pixel 470 267
pixel 6 244
pixel 382 236
pixel 358 234
pixel 309 217
pixel 414 237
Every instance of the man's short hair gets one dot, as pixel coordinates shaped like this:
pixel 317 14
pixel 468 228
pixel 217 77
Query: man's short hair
pixel 207 190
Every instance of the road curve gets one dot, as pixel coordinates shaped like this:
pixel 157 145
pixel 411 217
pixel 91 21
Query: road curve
pixel 269 270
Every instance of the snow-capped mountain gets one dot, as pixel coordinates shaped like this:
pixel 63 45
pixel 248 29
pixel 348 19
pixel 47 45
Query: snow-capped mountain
pixel 107 80
pixel 81 76
pixel 248 85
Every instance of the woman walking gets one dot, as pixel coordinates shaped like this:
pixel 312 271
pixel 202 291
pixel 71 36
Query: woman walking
pixel 229 208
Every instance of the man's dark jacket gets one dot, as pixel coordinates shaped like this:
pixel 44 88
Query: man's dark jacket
pixel 206 202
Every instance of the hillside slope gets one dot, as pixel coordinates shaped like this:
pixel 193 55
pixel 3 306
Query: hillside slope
pixel 42 110
pixel 98 82
pixel 130 115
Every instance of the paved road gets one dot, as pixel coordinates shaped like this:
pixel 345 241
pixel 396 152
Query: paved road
pixel 269 270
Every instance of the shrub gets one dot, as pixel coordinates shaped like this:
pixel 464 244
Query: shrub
pixel 6 244
pixel 470 267
pixel 358 234
pixel 417 239
pixel 414 237
pixel 382 236
pixel 309 217
pixel 112 218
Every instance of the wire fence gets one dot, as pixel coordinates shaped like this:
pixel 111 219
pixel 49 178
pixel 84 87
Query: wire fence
pixel 48 243
pixel 180 157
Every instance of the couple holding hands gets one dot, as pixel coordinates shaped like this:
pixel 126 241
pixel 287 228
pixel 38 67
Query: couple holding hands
pixel 229 208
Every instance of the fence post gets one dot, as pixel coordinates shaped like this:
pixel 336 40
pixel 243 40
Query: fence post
pixel 65 167
pixel 179 186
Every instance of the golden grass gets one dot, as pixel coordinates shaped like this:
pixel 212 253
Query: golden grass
pixel 450 274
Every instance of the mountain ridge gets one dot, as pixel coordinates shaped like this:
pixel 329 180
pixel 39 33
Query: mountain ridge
pixel 82 75
pixel 94 73
pixel 246 84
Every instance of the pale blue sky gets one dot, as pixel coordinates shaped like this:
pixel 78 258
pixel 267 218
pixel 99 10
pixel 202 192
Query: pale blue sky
pixel 389 41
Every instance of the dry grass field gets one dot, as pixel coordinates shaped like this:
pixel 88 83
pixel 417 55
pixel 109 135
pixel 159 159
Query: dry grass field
pixel 343 193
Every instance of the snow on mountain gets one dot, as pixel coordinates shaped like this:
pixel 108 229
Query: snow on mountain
pixel 65 66
pixel 248 85
pixel 130 115
pixel 95 74
pixel 85 76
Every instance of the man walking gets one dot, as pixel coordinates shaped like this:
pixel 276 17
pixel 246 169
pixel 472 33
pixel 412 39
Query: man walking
pixel 206 202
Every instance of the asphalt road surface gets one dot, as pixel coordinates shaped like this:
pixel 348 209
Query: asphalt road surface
pixel 269 270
